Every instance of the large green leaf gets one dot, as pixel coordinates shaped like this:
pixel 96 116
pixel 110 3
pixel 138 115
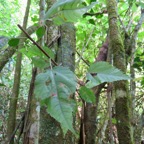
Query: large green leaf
pixel 104 72
pixel 67 11
pixel 54 88
pixel 61 110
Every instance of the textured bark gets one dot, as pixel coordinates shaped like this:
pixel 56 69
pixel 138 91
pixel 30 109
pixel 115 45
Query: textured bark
pixel 50 131
pixel 13 101
pixel 67 45
pixel 32 122
pixel 16 86
pixel 121 91
pixel 66 57
pixel 136 119
pixel 8 53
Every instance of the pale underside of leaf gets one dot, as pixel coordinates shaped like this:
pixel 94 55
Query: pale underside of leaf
pixel 67 11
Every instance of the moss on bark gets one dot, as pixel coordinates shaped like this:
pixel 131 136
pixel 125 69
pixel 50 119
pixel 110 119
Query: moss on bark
pixel 121 91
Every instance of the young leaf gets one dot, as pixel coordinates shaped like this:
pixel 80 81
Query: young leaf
pixel 49 52
pixel 13 42
pixel 54 88
pixel 104 72
pixel 92 21
pixel 40 32
pixel 31 52
pixel 34 51
pixel 67 11
pixel 87 94
pixel 39 62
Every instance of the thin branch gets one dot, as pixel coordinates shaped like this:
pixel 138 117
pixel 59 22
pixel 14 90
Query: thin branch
pixel 82 58
pixel 37 45
pixel 133 48
pixel 17 127
pixel 123 26
pixel 95 14
pixel 53 40
pixel 84 47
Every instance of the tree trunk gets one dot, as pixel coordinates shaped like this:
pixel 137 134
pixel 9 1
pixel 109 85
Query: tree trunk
pixel 88 126
pixel 121 91
pixel 31 125
pixel 16 86
pixel 50 131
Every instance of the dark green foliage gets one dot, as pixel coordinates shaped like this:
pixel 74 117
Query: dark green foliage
pixel 13 42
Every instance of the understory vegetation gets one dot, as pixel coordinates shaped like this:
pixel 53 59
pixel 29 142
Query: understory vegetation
pixel 71 72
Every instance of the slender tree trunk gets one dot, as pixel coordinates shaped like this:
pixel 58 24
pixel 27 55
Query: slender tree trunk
pixel 66 57
pixel 31 126
pixel 16 86
pixel 136 118
pixel 33 108
pixel 13 101
pixel 88 126
pixel 50 131
pixel 121 91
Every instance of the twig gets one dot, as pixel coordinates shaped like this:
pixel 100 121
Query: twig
pixel 95 14
pixel 22 119
pixel 84 47
pixel 53 40
pixel 82 58
pixel 37 45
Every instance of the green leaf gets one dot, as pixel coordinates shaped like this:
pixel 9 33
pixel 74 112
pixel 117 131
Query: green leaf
pixel 48 83
pixel 104 72
pixel 1 85
pixel 31 51
pixel 35 18
pixel 49 52
pixel 13 42
pixel 40 32
pixel 141 4
pixel 87 94
pixel 39 62
pixel 114 121
pixel 54 88
pixel 67 11
pixel 61 110
pixel 34 51
pixel 92 21
pixel 99 16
